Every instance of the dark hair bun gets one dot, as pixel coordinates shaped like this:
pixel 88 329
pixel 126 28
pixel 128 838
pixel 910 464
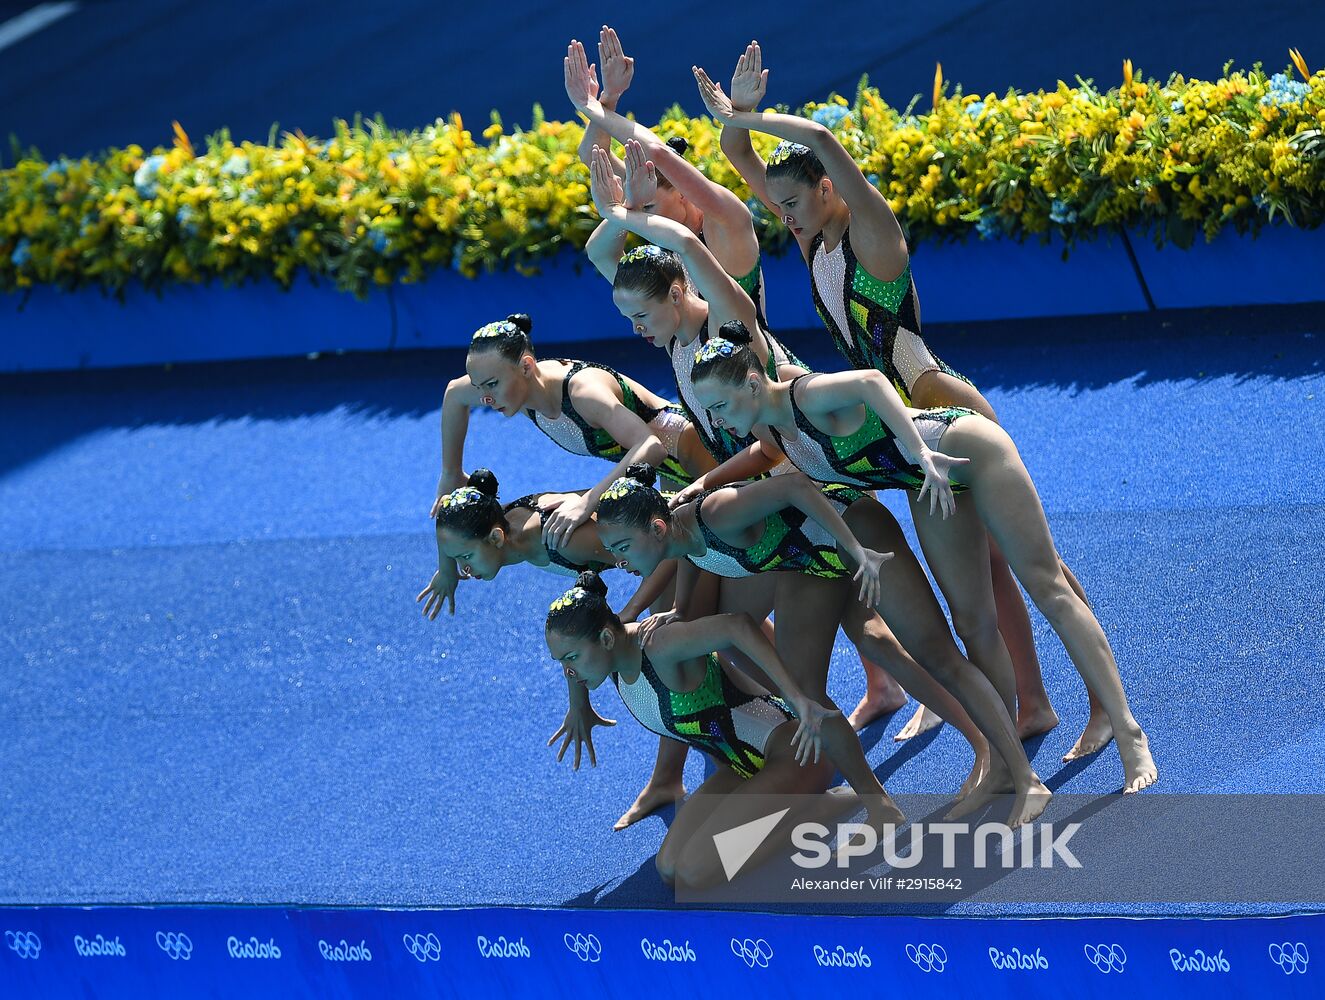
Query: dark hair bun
pixel 522 321
pixel 484 481
pixel 678 144
pixel 643 473
pixel 735 331
pixel 592 582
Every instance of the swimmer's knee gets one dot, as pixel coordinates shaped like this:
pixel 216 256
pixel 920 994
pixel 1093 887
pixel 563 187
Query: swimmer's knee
pixel 975 628
pixel 666 870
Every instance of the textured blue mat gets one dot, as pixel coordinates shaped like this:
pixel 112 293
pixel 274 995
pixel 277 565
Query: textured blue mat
pixel 215 684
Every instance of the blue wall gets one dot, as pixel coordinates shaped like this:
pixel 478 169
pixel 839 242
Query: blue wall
pixel 958 282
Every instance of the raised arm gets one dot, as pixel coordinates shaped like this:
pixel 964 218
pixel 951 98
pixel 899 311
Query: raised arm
pixel 727 223
pixel 618 71
pixel 821 394
pixel 877 236
pixel 725 297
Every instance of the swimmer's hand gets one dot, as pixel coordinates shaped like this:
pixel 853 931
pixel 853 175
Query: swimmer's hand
pixel 560 524
pixel 618 68
pixel 651 625
pixel 581 79
pixel 718 104
pixel 867 575
pixel 578 727
pixel 749 79
pixel 440 589
pixel 937 467
pixel 604 185
pixel 684 496
pixel 448 482
pixel 808 738
pixel 641 185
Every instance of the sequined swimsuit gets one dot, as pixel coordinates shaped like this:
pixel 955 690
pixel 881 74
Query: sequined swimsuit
pixel 791 542
pixel 872 457
pixel 575 434
pixel 557 563
pixel 717 717
pixel 873 323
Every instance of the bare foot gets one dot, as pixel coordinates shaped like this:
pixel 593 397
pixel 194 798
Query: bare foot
pixel 1030 803
pixel 875 705
pixel 1035 720
pixel 978 771
pixel 651 799
pixel 996 781
pixel 1094 738
pixel 1138 766
pixel 922 722
pixel 883 817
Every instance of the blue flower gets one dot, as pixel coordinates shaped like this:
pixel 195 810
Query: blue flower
pixel 1062 213
pixel 1285 91
pixel 990 226
pixel 1178 106
pixel 831 116
pixel 873 179
pixel 975 109
pixel 22 253
pixel 144 178
pixel 236 166
pixel 184 217
pixel 56 168
pixel 381 242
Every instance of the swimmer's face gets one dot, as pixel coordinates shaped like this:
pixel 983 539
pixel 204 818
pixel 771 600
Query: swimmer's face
pixel 732 406
pixel 803 208
pixel 667 202
pixel 586 661
pixel 636 550
pixel 476 558
pixel 503 385
pixel 655 320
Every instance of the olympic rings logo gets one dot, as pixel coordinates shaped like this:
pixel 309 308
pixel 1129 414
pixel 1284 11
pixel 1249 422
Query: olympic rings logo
pixel 1291 956
pixel 424 947
pixel 585 947
pixel 752 952
pixel 177 946
pixel 1106 957
pixel 25 944
pixel 927 957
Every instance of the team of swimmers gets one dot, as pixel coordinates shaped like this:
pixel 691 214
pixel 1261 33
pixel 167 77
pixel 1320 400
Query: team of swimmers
pixel 767 473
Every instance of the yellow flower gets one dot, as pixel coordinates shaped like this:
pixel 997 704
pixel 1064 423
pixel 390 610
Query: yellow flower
pixel 938 83
pixel 1127 73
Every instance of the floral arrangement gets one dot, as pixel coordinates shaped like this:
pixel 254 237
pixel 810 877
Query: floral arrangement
pixel 370 206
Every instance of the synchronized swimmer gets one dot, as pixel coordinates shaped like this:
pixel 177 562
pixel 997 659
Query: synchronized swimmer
pixel 770 471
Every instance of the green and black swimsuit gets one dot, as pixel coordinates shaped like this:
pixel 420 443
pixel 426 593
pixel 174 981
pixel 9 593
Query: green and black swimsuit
pixel 717 717
pixel 571 431
pixel 557 563
pixel 872 458
pixel 791 542
pixel 873 323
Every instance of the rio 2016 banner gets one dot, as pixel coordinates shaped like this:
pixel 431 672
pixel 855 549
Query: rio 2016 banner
pixel 255 951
